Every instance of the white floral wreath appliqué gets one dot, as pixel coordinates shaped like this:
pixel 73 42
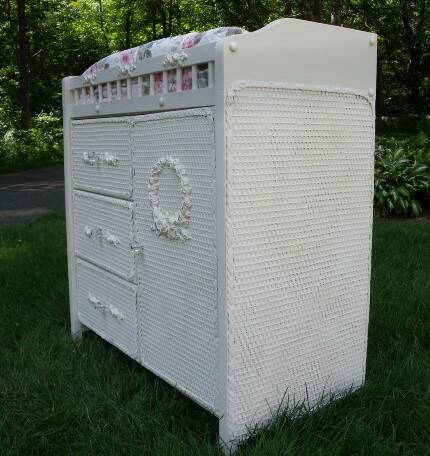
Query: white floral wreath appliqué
pixel 172 225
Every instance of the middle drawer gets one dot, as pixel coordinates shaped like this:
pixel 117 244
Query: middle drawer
pixel 104 232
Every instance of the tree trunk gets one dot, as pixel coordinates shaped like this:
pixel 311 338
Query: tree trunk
pixel 164 21
pixel 154 29
pixel 414 47
pixel 128 22
pixel 23 52
pixel 153 6
pixel 178 17
pixel 8 10
pixel 415 82
pixel 102 26
pixel 171 18
pixel 365 7
pixel 154 26
pixel 288 8
pixel 379 102
pixel 336 12
pixel 312 10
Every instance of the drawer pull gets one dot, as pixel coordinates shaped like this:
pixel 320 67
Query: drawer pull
pixel 93 233
pixel 110 160
pixel 136 248
pixel 104 235
pixel 96 302
pixel 114 311
pixel 111 239
pixel 91 158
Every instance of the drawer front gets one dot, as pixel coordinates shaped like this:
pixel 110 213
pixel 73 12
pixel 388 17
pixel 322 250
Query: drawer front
pixel 107 305
pixel 101 156
pixel 104 232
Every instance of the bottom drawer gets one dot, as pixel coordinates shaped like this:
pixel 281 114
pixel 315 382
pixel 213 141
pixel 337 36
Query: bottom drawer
pixel 107 305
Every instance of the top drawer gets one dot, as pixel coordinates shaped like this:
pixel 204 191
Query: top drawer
pixel 101 156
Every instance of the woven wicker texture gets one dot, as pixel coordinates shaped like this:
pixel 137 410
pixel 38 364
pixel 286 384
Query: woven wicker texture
pixel 107 305
pixel 104 232
pixel 298 242
pixel 170 191
pixel 101 156
pixel 178 288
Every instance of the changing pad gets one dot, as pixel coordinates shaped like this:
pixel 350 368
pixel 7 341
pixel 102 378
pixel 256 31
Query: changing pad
pixel 125 60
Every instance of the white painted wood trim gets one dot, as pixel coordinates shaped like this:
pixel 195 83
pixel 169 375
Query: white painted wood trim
pixel 146 104
pixel 75 325
pixel 301 52
pixel 218 83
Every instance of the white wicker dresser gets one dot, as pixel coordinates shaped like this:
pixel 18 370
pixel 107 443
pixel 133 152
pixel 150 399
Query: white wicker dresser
pixel 219 232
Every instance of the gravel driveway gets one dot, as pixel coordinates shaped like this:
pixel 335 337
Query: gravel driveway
pixel 27 194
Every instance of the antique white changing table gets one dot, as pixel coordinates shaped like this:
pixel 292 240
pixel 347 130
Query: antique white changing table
pixel 219 196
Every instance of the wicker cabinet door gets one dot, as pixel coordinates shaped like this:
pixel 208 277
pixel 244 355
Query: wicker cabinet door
pixel 175 203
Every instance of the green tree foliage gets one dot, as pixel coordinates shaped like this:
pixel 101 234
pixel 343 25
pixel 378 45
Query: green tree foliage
pixel 44 40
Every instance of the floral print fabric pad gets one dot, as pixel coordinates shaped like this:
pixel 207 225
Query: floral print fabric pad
pixel 126 60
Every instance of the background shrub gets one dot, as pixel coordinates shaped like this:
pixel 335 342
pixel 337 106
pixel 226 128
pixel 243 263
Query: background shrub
pixel 40 145
pixel 402 175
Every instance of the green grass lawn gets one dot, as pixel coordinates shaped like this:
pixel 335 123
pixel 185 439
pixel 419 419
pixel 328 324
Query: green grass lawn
pixel 63 397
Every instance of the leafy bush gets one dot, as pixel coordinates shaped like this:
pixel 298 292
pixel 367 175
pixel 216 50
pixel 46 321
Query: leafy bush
pixel 402 174
pixel 41 144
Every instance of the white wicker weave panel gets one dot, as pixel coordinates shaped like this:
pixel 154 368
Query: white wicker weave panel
pixel 101 156
pixel 107 305
pixel 178 279
pixel 298 242
pixel 104 232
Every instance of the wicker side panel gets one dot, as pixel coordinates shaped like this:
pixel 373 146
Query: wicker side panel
pixel 178 278
pixel 94 143
pixel 107 305
pixel 298 242
pixel 104 232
